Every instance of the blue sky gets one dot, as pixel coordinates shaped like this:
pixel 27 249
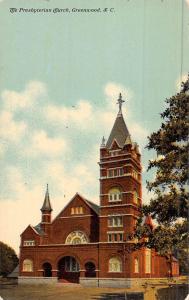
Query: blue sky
pixel 60 78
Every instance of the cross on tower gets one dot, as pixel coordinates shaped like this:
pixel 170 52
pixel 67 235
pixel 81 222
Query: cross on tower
pixel 120 102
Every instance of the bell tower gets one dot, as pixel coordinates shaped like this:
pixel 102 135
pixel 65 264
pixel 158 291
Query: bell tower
pixel 120 182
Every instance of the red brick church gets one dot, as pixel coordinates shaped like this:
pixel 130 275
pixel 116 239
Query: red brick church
pixel 87 243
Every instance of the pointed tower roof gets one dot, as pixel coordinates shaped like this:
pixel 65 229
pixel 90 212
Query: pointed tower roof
pixel 119 131
pixel 46 204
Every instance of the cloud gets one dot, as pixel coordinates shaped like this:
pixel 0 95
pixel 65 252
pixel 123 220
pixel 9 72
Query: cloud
pixel 79 115
pixel 42 144
pixel 2 150
pixel 10 130
pixel 21 100
pixel 146 195
pixel 19 211
pixel 84 116
pixel 113 89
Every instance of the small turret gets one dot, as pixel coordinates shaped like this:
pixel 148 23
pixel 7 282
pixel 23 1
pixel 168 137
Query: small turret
pixel 46 208
pixel 103 143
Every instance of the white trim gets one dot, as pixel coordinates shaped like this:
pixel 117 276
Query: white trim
pixel 75 216
pixel 125 165
pixel 69 245
pixel 116 205
pixel 33 229
pixel 116 215
pixel 106 216
pixel 124 175
pixel 112 144
pixel 129 192
pixel 119 160
pixel 112 232
pixel 115 272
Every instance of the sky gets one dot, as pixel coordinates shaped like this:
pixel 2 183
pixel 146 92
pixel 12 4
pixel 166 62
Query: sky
pixel 60 76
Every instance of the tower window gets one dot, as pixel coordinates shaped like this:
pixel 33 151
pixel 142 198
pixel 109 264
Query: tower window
pixel 135 174
pixel 135 197
pixel 115 194
pixel 115 172
pixel 115 237
pixel 114 152
pixel 120 237
pixel 115 221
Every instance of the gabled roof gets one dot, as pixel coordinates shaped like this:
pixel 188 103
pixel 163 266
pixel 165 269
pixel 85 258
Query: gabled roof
pixel 39 229
pixel 119 132
pixel 92 205
pixel 46 204
pixel 31 228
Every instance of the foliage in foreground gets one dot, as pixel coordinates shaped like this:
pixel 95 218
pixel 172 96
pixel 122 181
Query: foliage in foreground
pixel 8 259
pixel 170 203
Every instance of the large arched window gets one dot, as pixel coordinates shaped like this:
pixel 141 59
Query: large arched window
pixel 77 237
pixel 136 265
pixel 27 265
pixel 115 265
pixel 114 194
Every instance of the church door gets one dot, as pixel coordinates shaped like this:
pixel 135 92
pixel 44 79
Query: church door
pixel 68 269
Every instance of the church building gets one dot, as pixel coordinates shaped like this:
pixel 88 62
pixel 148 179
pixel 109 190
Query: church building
pixel 87 243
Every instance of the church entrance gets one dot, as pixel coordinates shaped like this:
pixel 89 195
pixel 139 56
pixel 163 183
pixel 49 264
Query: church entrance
pixel 68 269
pixel 90 269
pixel 47 270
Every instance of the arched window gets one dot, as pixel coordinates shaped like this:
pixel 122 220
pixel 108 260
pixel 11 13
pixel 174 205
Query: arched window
pixel 115 265
pixel 136 265
pixel 27 265
pixel 76 237
pixel 114 194
pixel 135 197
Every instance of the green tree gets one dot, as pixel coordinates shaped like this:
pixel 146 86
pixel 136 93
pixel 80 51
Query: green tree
pixel 170 203
pixel 8 259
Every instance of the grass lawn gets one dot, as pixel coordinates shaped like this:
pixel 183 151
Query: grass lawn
pixel 76 292
pixel 58 292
